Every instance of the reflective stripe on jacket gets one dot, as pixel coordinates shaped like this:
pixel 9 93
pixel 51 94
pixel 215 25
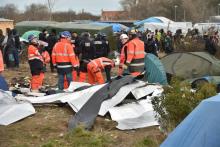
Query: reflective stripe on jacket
pixel 135 55
pixel 63 55
pixel 100 63
pixel 33 53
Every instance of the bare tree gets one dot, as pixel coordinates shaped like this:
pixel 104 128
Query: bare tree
pixel 36 12
pixel 50 4
pixel 9 11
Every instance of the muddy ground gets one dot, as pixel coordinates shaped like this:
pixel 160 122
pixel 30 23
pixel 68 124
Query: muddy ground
pixel 50 122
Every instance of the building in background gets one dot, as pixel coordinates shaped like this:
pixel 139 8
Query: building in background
pixel 114 15
pixel 6 23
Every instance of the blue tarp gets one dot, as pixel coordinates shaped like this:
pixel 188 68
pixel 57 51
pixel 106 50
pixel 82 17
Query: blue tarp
pixel 150 20
pixel 3 84
pixel 116 27
pixel 155 72
pixel 201 128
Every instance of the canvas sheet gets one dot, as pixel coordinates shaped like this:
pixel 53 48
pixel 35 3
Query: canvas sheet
pixel 11 110
pixel 119 97
pixel 134 115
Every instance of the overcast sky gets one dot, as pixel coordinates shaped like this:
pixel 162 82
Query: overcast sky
pixel 93 6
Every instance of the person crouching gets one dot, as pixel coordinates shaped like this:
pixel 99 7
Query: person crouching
pixel 95 68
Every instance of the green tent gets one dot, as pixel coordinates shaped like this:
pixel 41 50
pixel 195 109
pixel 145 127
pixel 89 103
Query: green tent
pixel 78 27
pixel 191 64
pixel 155 72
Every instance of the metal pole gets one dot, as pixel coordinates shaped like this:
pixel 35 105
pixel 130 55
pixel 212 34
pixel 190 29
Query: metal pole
pixel 175 11
pixel 184 15
pixel 218 8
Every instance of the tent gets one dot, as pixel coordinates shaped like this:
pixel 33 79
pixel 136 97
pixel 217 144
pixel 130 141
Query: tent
pixel 191 64
pixel 78 27
pixel 200 128
pixel 116 27
pixel 154 20
pixel 155 72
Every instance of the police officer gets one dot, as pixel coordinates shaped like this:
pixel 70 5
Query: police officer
pixel 86 53
pixel 101 46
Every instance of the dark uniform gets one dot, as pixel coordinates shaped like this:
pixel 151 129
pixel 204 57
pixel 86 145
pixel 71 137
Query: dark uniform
pixel 101 46
pixel 86 53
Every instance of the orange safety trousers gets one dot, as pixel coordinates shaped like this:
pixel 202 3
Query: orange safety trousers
pixel 82 76
pixel 37 81
pixel 94 75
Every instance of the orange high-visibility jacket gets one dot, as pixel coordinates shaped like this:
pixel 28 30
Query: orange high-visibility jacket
pixel 46 57
pixel 63 55
pixel 135 55
pixel 1 62
pixel 35 60
pixel 100 63
pixel 123 58
pixel 34 54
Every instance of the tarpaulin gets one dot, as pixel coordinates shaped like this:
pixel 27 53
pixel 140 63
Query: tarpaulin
pixel 87 114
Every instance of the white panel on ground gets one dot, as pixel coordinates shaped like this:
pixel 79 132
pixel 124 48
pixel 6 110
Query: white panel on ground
pixel 11 113
pixel 42 99
pixel 11 110
pixel 145 90
pixel 119 97
pixel 75 85
pixel 77 99
pixel 134 115
pixel 59 97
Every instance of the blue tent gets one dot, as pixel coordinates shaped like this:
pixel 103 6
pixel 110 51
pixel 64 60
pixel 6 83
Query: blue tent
pixel 201 128
pixel 149 20
pixel 116 27
pixel 155 72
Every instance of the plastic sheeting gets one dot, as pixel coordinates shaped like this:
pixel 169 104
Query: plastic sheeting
pixel 11 110
pixel 145 90
pixel 134 115
pixel 119 97
pixel 139 89
pixel 200 128
pixel 87 114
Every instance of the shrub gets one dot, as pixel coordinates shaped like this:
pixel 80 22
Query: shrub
pixel 178 101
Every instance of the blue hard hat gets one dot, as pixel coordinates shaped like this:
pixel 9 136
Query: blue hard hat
pixel 65 34
pixel 31 37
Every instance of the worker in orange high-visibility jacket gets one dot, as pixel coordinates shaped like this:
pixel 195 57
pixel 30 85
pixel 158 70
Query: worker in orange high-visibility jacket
pixel 35 60
pixel 95 68
pixel 135 54
pixel 64 59
pixel 123 55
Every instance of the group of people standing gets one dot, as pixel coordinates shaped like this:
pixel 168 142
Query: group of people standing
pixel 73 57
pixel 10 46
pixel 82 58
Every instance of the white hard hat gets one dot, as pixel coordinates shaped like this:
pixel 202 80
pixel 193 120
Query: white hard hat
pixel 123 36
